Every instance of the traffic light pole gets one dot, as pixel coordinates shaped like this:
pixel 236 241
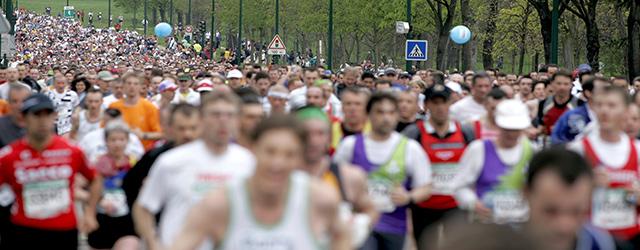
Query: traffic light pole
pixel 189 13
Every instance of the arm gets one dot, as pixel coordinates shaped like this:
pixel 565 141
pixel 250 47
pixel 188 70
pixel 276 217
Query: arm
pixel 207 218
pixel 145 225
pixel 470 166
pixel 357 189
pixel 75 124
pixel 325 212
pixel 95 194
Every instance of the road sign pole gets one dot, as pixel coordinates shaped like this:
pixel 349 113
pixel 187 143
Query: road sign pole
pixel 330 37
pixel 275 60
pixel 146 20
pixel 554 32
pixel 408 63
pixel 67 2
pixel 239 49
pixel 213 25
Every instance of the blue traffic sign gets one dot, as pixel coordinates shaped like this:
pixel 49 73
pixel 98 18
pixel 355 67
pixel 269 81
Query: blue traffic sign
pixel 416 50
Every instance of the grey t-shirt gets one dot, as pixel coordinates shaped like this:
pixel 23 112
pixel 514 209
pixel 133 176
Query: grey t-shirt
pixel 10 131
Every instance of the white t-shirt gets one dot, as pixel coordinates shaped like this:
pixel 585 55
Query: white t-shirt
pixel 108 100
pixel 471 164
pixel 93 145
pixel 618 152
pixel 191 97
pixel 181 177
pixel 467 109
pixel 417 163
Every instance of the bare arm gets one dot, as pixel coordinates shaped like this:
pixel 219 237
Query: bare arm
pixel 359 194
pixel 145 225
pixel 325 205
pixel 75 124
pixel 207 219
pixel 95 194
pixel 421 193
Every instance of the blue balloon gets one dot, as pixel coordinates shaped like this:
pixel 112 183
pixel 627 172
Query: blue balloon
pixel 460 34
pixel 163 30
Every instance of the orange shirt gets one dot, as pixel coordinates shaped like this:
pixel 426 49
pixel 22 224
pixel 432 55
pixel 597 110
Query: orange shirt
pixel 4 107
pixel 144 116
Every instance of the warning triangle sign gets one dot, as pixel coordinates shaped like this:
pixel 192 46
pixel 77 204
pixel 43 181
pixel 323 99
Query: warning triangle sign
pixel 276 43
pixel 416 52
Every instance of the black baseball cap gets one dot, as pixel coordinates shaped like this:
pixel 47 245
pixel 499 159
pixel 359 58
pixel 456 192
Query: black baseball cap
pixel 36 103
pixel 437 90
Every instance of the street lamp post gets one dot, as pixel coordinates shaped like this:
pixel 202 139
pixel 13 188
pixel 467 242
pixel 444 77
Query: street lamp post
pixel 171 13
pixel 146 20
pixel 554 32
pixel 189 14
pixel 239 49
pixel 330 38
pixel 213 25
pixel 109 14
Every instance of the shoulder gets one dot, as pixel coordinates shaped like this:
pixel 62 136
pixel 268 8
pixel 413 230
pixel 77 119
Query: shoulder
pixel 215 206
pixel 238 150
pixel 147 104
pixel 349 141
pixel 475 146
pixel 118 104
pixel 175 157
pixel 412 131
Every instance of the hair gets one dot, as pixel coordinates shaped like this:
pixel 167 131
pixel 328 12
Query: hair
pixel 636 79
pixel 116 126
pixel 519 82
pixel 543 68
pixel 366 75
pixel 86 82
pixel 568 165
pixel 379 97
pixel 382 81
pixel 113 113
pixel 17 87
pixel 131 75
pixel 589 85
pixel 420 83
pixel 544 82
pixel 261 75
pixel 497 94
pixel 309 69
pixel 351 70
pixel 477 76
pixel 438 77
pixel 181 108
pixel 621 92
pixel 219 96
pixel 501 74
pixel 356 91
pixel 561 72
pixel 248 96
pixel 280 122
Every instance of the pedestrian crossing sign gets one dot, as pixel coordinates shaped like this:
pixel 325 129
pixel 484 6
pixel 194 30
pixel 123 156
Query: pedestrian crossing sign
pixel 416 50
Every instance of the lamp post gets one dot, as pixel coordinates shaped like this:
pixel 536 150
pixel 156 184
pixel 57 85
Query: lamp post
pixel 146 21
pixel 554 32
pixel 408 63
pixel 239 49
pixel 213 25
pixel 330 38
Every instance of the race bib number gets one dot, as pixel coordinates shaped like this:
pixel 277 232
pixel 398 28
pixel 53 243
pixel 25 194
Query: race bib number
pixel 114 203
pixel 46 200
pixel 611 210
pixel 443 174
pixel 380 193
pixel 507 206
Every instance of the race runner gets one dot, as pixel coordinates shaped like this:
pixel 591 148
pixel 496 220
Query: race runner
pixel 276 208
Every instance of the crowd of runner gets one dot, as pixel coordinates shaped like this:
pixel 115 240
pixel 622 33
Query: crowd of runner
pixel 110 139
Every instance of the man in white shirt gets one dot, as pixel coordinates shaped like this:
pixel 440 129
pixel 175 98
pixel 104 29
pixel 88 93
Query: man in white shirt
pixel 12 79
pixel 399 172
pixel 471 107
pixel 492 171
pixel 297 98
pixel 93 144
pixel 181 176
pixel 117 93
pixel 65 101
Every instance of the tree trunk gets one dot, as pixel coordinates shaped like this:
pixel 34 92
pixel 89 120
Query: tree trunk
pixel 467 20
pixel 490 29
pixel 163 14
pixel 633 44
pixel 154 16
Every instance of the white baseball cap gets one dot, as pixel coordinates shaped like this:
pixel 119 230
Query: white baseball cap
pixel 234 74
pixel 512 114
